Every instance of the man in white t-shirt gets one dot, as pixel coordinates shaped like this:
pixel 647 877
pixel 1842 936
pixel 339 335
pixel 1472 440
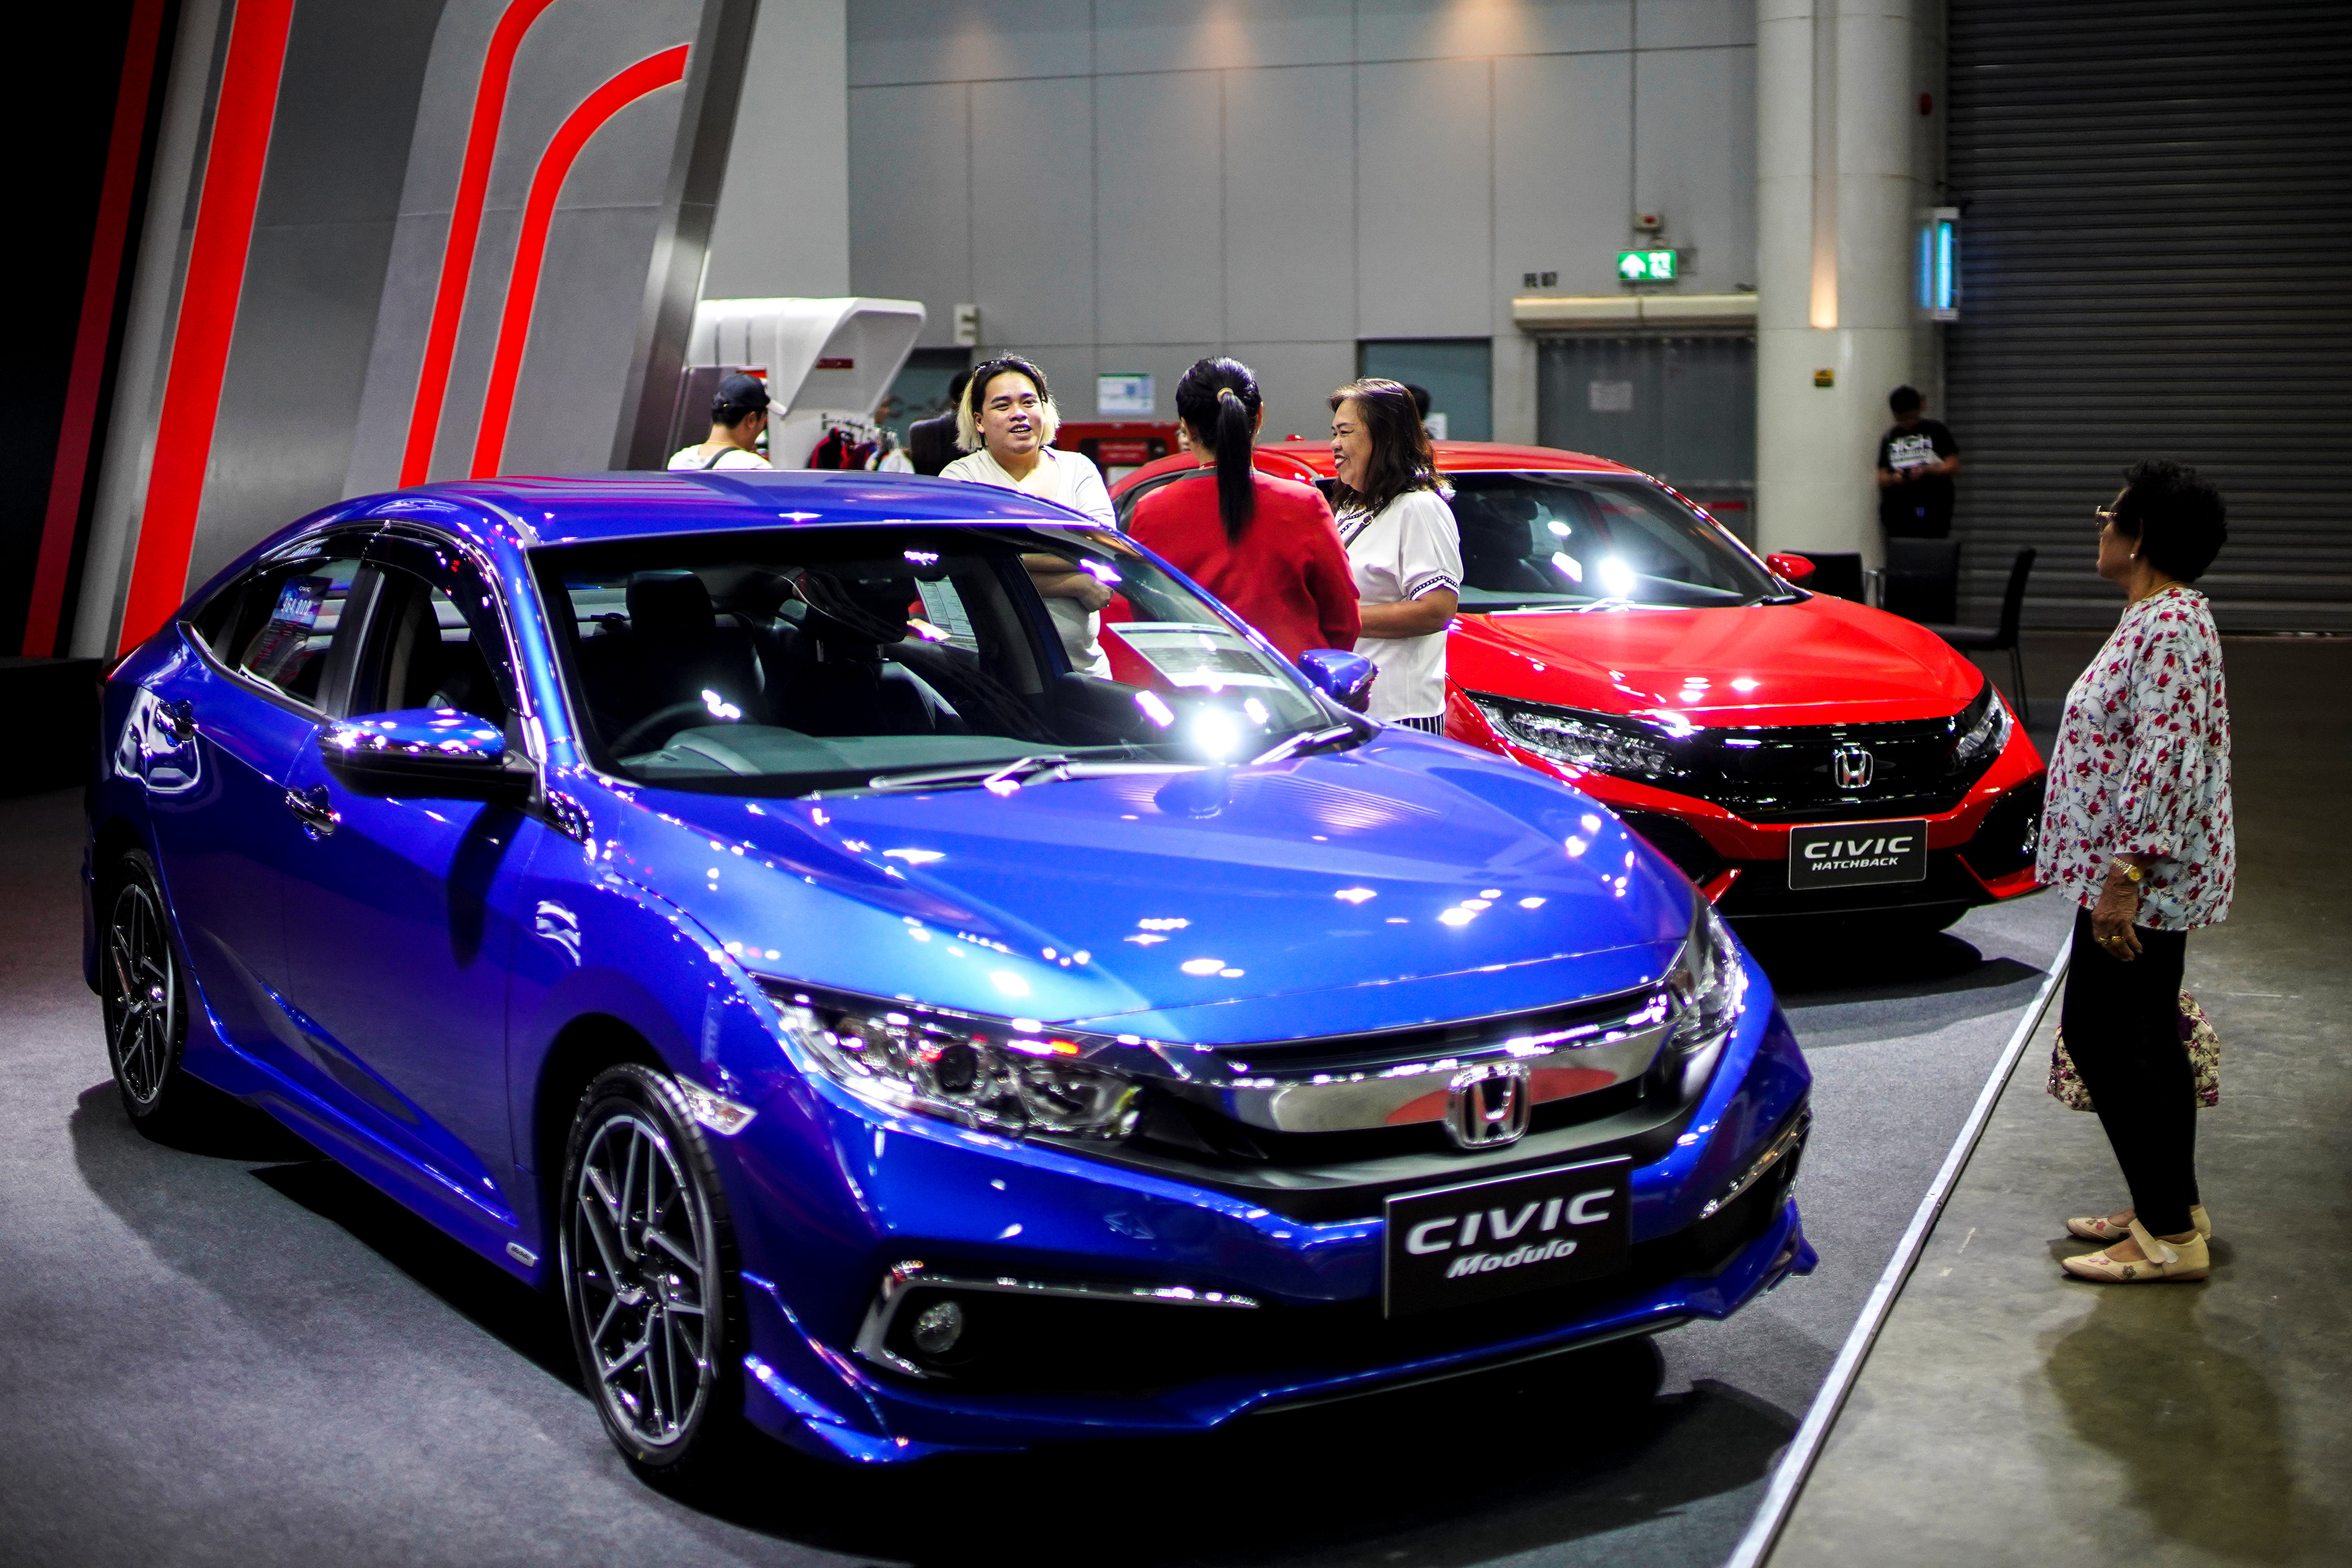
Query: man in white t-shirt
pixel 738 416
pixel 1008 415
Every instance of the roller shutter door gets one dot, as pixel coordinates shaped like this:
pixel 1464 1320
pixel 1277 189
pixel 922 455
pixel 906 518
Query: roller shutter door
pixel 2157 260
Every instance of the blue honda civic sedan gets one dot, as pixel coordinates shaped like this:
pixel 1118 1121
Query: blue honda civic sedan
pixel 914 972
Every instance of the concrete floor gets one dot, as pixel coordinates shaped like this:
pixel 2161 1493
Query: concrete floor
pixel 2009 1414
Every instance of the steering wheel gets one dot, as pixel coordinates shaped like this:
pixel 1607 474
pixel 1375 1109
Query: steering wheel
pixel 625 743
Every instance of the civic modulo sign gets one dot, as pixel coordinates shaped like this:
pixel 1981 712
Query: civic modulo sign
pixel 1850 854
pixel 1486 1239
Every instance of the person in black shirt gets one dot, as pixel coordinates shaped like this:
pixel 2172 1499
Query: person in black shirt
pixel 931 443
pixel 1916 461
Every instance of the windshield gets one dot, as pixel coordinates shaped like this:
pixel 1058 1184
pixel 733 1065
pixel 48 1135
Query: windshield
pixel 1535 541
pixel 798 659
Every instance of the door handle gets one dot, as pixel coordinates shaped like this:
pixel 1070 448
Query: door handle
pixel 180 719
pixel 311 808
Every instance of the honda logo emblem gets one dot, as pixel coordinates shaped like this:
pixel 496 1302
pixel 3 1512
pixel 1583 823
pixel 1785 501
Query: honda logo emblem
pixel 1486 1106
pixel 1851 767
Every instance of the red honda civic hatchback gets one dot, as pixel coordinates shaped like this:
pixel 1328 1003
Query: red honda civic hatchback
pixel 1794 753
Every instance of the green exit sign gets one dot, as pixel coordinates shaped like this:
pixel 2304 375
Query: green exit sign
pixel 1646 265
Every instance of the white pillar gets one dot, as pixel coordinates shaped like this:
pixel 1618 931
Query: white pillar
pixel 1839 177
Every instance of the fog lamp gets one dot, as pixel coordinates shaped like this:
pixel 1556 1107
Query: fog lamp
pixel 938 1327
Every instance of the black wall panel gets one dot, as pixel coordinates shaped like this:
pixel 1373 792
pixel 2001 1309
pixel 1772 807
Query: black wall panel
pixel 2157 260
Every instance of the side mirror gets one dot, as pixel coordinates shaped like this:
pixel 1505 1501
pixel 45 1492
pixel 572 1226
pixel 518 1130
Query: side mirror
pixel 1795 569
pixel 425 753
pixel 1345 678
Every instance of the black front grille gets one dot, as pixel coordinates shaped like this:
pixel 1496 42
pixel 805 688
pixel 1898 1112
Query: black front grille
pixel 1140 1348
pixel 1788 773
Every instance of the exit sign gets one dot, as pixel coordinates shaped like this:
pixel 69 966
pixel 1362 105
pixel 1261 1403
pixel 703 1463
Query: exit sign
pixel 1646 265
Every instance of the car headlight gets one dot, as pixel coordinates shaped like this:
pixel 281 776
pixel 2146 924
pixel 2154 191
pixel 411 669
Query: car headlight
pixel 1982 734
pixel 1625 748
pixel 1708 983
pixel 1007 1076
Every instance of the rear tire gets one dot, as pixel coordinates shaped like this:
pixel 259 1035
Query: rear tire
pixel 649 1263
pixel 143 996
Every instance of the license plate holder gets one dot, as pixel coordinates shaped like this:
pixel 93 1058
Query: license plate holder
pixel 1477 1241
pixel 1857 854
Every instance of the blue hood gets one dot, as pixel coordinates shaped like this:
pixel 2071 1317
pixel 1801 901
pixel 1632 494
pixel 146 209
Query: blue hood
pixel 1407 881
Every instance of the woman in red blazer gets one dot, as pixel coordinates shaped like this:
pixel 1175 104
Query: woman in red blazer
pixel 1266 547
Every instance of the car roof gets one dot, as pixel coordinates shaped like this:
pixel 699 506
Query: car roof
pixel 584 508
pixel 1313 460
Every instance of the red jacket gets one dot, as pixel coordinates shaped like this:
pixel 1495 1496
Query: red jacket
pixel 1289 576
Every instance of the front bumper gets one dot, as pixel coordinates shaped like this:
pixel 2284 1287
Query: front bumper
pixel 1095 1258
pixel 1979 852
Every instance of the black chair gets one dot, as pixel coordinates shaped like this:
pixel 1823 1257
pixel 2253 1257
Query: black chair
pixel 2003 638
pixel 1923 580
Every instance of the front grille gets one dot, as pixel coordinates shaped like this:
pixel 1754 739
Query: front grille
pixel 1784 774
pixel 1136 1349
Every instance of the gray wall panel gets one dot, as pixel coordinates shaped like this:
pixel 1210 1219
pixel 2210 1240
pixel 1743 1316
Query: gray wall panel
pixel 1416 30
pixel 1693 24
pixel 1364 192
pixel 1695 128
pixel 967 40
pixel 1423 208
pixel 1165 363
pixel 1201 34
pixel 910 198
pixel 1296 379
pixel 1563 170
pixel 1032 239
pixel 784 226
pixel 1290 203
pixel 1159 230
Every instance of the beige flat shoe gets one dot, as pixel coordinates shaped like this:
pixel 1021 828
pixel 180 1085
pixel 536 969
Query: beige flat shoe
pixel 2099 1227
pixel 2159 1260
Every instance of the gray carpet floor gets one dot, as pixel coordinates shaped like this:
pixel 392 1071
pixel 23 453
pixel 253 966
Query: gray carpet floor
pixel 235 1354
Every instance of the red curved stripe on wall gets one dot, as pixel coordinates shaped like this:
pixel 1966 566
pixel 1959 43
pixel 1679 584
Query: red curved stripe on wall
pixel 465 230
pixel 531 245
pixel 207 318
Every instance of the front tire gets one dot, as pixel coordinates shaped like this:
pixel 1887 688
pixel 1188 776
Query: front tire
pixel 648 1265
pixel 143 996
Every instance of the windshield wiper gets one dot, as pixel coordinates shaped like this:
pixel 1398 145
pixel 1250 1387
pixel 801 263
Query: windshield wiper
pixel 1303 741
pixel 1005 777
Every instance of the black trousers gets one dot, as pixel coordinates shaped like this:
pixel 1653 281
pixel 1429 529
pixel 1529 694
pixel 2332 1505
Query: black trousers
pixel 2123 1028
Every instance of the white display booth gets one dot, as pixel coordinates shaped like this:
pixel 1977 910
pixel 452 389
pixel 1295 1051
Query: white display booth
pixel 827 364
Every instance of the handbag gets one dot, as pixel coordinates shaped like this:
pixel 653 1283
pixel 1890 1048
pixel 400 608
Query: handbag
pixel 2197 1037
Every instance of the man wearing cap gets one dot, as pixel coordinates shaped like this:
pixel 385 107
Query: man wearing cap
pixel 739 413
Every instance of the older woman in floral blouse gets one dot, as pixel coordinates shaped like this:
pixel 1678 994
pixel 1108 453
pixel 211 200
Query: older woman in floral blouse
pixel 2137 833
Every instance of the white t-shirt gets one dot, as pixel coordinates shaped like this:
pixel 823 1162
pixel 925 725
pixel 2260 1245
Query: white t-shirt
pixel 1069 479
pixel 687 459
pixel 1408 548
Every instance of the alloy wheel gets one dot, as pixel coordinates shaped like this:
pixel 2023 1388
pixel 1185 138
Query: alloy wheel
pixel 143 993
pixel 639 1262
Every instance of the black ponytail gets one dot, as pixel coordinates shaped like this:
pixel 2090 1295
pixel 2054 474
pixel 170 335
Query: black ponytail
pixel 1218 401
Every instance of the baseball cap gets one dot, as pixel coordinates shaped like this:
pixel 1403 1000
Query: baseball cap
pixel 743 394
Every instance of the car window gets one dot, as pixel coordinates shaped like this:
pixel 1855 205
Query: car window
pixel 423 652
pixel 278 625
pixel 823 658
pixel 1535 540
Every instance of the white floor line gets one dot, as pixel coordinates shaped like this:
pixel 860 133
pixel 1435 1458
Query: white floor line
pixel 1797 1461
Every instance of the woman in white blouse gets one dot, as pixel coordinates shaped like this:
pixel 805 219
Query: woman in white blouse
pixel 1404 545
pixel 1006 421
pixel 2137 833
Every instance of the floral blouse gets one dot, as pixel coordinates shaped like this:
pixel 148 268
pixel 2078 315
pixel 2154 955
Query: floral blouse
pixel 2142 767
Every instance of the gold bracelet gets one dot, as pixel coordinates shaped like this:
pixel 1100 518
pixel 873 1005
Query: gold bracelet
pixel 2132 873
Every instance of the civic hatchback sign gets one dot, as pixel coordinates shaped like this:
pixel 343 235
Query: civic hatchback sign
pixel 1851 854
pixel 1486 1239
